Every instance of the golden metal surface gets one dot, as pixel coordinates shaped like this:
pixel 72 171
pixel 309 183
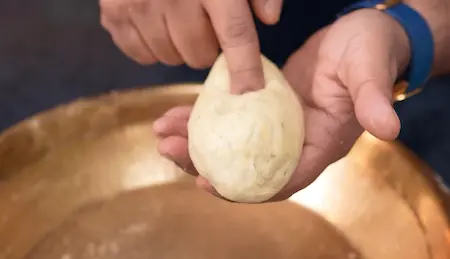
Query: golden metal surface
pixel 400 93
pixel 85 181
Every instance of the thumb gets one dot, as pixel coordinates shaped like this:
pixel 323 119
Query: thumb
pixel 268 11
pixel 363 53
pixel 235 28
pixel 369 73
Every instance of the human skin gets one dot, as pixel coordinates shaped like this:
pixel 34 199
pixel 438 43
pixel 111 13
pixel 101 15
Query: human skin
pixel 344 73
pixel 179 31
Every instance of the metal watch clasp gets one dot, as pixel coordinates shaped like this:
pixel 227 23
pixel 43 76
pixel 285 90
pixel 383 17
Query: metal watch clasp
pixel 400 92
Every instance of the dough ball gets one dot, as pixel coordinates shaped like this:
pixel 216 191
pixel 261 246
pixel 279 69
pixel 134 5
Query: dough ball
pixel 246 145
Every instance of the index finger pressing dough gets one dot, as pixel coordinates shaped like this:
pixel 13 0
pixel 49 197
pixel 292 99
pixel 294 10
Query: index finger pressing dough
pixel 248 145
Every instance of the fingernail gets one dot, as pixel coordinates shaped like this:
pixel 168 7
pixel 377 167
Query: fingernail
pixel 202 182
pixel 273 10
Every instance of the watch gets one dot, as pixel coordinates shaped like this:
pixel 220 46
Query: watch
pixel 420 40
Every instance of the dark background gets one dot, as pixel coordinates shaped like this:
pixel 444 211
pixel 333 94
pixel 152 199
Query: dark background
pixel 54 51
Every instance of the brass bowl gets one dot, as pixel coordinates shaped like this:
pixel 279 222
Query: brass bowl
pixel 84 180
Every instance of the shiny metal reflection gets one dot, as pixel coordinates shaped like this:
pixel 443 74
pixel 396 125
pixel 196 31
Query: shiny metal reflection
pixel 85 181
pixel 400 92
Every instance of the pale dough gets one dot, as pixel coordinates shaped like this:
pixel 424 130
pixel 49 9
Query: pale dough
pixel 246 145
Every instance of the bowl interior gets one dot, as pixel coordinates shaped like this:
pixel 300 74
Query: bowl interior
pixel 84 180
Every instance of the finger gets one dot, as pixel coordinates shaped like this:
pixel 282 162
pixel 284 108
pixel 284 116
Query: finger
pixel 151 24
pixel 173 122
pixel 268 11
pixel 171 126
pixel 204 184
pixel 236 31
pixel 127 38
pixel 369 74
pixel 175 148
pixel 192 34
pixel 179 111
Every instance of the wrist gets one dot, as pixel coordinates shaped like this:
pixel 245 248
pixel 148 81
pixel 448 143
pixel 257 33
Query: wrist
pixel 400 43
pixel 436 13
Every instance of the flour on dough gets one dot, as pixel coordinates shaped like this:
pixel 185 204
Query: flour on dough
pixel 248 145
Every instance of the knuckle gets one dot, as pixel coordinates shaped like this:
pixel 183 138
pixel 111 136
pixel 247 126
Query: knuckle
pixel 112 10
pixel 202 61
pixel 164 50
pixel 171 61
pixel 105 23
pixel 138 57
pixel 141 56
pixel 134 52
pixel 138 5
pixel 248 75
pixel 145 60
pixel 117 10
pixel 198 64
pixel 108 6
pixel 104 4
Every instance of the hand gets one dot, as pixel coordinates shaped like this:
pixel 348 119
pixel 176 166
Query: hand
pixel 345 76
pixel 190 31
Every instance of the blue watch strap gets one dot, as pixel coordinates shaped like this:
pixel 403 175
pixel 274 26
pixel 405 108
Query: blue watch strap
pixel 419 35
